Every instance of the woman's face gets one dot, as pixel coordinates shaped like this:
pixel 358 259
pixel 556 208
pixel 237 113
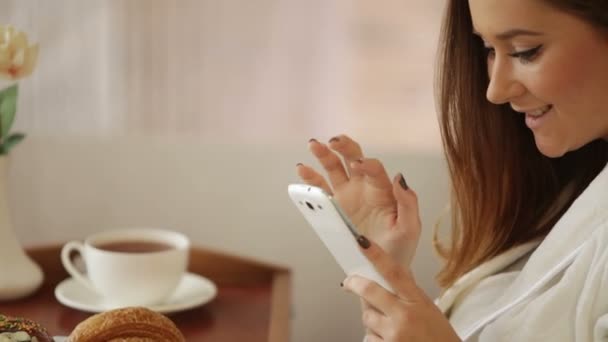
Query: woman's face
pixel 548 65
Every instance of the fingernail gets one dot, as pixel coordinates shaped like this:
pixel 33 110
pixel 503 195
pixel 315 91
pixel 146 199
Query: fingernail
pixel 363 242
pixel 403 183
pixel 360 160
pixel 336 139
pixel 312 140
pixel 299 164
pixel 341 284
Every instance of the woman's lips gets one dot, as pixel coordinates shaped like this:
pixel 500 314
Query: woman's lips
pixel 535 119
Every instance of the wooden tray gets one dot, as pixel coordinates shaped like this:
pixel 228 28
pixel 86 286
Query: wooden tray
pixel 253 302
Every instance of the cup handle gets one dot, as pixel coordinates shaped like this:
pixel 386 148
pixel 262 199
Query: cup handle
pixel 66 251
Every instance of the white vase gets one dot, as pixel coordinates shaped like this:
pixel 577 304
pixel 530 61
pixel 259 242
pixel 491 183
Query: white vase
pixel 20 276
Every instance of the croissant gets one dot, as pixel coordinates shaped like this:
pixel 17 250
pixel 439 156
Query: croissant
pixel 21 329
pixel 132 324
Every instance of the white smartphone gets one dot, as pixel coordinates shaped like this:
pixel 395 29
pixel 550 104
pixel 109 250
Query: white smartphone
pixel 335 230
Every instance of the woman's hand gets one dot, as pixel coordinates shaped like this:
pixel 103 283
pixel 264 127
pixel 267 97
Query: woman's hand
pixel 384 211
pixel 408 315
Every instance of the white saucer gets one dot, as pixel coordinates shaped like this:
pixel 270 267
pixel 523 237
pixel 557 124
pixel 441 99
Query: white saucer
pixel 192 291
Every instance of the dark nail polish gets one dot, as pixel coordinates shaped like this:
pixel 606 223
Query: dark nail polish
pixel 336 139
pixel 312 139
pixel 341 284
pixel 299 164
pixel 363 242
pixel 403 183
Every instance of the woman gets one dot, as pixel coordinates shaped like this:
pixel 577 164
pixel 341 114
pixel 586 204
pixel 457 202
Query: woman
pixel 523 88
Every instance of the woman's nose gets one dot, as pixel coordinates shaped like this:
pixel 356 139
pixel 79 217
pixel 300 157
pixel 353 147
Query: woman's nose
pixel 503 85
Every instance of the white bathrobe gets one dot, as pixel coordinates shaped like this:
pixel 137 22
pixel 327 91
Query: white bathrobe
pixel 552 290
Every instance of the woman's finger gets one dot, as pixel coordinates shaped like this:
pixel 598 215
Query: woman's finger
pixel 312 177
pixel 366 306
pixel 407 205
pixel 330 161
pixel 375 321
pixel 350 151
pixel 373 338
pixel 408 217
pixel 380 188
pixel 371 292
pixel 399 278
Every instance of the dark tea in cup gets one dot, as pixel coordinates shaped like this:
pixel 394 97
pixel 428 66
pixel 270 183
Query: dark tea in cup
pixel 134 246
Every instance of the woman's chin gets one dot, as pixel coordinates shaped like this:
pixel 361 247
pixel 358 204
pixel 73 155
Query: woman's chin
pixel 549 147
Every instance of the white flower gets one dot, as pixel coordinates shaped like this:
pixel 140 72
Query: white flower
pixel 17 58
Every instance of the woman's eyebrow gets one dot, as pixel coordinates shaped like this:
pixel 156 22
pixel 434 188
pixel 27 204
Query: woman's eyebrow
pixel 510 34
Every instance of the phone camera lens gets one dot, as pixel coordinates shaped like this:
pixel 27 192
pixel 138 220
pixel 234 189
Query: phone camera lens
pixel 310 205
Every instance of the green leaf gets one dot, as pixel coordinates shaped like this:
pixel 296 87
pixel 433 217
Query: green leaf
pixel 10 142
pixel 8 108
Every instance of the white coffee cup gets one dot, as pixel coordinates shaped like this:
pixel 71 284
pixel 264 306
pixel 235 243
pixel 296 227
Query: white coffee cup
pixel 130 267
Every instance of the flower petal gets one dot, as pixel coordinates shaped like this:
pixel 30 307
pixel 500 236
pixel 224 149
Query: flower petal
pixel 19 41
pixel 18 58
pixel 7 35
pixel 5 59
pixel 31 57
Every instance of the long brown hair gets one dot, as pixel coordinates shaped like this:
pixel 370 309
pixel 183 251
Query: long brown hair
pixel 504 191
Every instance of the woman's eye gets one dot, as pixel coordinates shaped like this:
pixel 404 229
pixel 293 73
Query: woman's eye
pixel 527 55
